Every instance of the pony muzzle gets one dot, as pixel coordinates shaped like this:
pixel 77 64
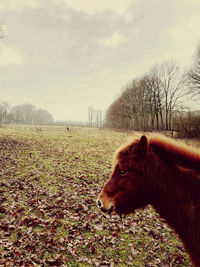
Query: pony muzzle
pixel 109 208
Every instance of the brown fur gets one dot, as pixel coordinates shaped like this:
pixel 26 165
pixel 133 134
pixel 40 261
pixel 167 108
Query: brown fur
pixel 158 171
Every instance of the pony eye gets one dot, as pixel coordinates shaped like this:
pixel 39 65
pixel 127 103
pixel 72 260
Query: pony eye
pixel 123 173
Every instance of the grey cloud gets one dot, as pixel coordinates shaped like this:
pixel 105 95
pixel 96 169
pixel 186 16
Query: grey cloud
pixel 62 49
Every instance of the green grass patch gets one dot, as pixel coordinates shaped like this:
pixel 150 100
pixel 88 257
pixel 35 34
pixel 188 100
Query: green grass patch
pixel 49 183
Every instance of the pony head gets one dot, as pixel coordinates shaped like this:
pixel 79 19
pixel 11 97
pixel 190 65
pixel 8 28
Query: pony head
pixel 126 189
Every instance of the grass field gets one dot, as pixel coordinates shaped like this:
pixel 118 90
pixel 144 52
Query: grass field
pixel 49 182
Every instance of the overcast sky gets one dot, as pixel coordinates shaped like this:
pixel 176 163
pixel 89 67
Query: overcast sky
pixel 66 55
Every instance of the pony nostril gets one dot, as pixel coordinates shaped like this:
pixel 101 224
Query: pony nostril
pixel 99 203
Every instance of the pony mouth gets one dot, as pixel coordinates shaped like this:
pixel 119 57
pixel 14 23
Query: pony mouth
pixel 111 210
pixel 122 216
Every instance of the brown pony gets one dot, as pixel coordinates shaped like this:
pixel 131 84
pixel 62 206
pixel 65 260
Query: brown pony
pixel 156 170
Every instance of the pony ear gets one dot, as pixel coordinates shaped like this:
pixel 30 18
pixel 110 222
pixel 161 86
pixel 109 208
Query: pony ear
pixel 142 146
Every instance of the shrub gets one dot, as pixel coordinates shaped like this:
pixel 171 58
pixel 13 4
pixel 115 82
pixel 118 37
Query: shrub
pixel 187 124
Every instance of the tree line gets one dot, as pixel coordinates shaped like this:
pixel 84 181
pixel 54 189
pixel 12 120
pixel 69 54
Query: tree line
pixel 155 100
pixel 24 114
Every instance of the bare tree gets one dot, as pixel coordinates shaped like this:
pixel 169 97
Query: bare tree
pixel 170 90
pixel 156 97
pixel 28 114
pixel 193 75
pixel 4 112
pixel 98 118
pixel 23 113
pixel 42 117
pixel 115 114
pixel 149 101
pixel 91 115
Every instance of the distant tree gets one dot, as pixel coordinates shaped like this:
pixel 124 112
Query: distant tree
pixel 156 98
pixel 41 117
pixel 115 115
pixel 4 112
pixel 27 110
pixel 170 90
pixel 91 115
pixel 98 118
pixel 128 106
pixel 149 101
pixel 23 113
pixel 135 105
pixel 193 75
pixel 28 114
pixel 17 114
pixel 187 124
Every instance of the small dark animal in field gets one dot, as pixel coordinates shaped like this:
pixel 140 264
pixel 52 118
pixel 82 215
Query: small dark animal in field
pixel 38 129
pixel 157 170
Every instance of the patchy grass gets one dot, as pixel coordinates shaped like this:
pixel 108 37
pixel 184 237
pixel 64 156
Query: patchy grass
pixel 49 182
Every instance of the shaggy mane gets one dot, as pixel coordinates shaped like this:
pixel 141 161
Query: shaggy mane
pixel 184 155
